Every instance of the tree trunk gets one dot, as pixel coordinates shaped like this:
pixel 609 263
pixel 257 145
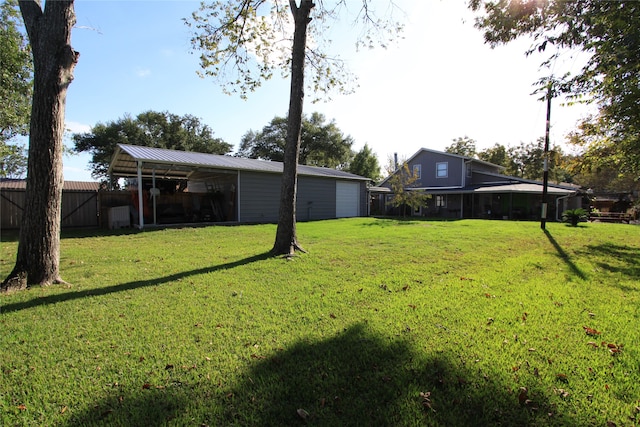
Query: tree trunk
pixel 49 31
pixel 286 237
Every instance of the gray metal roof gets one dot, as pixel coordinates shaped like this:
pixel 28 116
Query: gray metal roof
pixel 182 164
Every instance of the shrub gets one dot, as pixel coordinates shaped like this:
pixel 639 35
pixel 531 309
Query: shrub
pixel 574 216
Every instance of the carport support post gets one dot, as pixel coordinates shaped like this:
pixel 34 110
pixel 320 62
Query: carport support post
pixel 140 201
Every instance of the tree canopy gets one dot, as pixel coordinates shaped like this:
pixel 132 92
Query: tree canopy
pixel 321 143
pixel 13 161
pixel 16 82
pixel 609 31
pixel 365 163
pixel 462 146
pixel 149 129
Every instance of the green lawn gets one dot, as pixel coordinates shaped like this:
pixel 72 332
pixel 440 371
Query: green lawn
pixel 382 322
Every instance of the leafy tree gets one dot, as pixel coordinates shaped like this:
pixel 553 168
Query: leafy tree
pixel 49 33
pixel 497 155
pixel 16 82
pixel 609 31
pixel 321 144
pixel 527 161
pixel 235 40
pixel 401 180
pixel 463 147
pixel 365 163
pixel 149 129
pixel 13 161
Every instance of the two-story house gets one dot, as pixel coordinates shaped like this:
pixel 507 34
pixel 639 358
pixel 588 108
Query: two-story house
pixel 464 187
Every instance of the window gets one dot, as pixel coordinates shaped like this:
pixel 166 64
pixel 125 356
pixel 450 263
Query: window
pixel 417 171
pixel 442 170
pixel 441 201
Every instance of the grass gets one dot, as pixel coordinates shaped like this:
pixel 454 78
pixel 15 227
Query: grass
pixel 383 322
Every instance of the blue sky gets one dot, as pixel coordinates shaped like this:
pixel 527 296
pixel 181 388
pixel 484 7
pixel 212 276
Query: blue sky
pixel 437 84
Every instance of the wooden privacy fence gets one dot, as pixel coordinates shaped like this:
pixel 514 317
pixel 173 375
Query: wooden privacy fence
pixel 79 208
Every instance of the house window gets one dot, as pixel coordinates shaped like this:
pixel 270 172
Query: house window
pixel 417 171
pixel 442 170
pixel 441 201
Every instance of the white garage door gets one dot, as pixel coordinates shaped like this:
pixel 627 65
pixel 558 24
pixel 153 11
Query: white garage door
pixel 347 199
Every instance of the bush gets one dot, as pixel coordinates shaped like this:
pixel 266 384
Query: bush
pixel 574 216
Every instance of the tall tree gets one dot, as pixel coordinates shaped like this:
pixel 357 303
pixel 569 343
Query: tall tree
pixel 365 163
pixel 16 82
pixel 234 38
pixel 49 32
pixel 13 161
pixel 463 146
pixel 609 31
pixel 321 144
pixel 496 155
pixel 527 161
pixel 149 129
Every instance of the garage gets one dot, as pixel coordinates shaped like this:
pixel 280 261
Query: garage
pixel 347 199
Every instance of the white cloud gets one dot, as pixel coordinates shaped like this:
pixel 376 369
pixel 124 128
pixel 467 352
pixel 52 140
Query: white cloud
pixel 75 127
pixel 142 72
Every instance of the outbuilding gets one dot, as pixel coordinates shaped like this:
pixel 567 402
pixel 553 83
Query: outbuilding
pixel 172 186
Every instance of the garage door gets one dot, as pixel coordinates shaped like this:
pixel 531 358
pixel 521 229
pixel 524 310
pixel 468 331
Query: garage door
pixel 347 199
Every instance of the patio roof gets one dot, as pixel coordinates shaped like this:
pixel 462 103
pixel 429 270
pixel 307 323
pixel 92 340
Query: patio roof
pixel 526 188
pixel 183 164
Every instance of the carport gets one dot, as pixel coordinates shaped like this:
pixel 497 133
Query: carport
pixel 236 189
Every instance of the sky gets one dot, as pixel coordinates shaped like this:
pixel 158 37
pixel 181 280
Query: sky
pixel 439 83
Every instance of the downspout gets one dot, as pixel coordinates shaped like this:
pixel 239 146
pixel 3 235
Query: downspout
pixel 558 205
pixel 140 201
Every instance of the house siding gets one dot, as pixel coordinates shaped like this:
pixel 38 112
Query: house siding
pixel 428 160
pixel 316 198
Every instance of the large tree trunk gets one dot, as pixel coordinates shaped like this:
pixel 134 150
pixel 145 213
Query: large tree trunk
pixel 49 31
pixel 286 237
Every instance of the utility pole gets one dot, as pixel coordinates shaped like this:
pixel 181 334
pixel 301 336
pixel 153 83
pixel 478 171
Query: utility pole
pixel 545 176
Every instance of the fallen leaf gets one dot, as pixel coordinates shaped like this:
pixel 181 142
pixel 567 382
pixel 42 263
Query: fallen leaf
pixel 592 344
pixel 523 395
pixel 146 386
pixel 590 331
pixel 22 407
pixel 303 414
pixel 412 306
pixel 562 377
pixel 333 316
pixel 63 409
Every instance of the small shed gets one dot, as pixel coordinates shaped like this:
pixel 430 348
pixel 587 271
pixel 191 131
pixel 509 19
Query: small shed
pixel 175 186
pixel 79 203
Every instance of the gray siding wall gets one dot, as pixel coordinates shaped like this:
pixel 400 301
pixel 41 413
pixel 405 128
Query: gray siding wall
pixel 316 198
pixel 428 160
pixel 259 197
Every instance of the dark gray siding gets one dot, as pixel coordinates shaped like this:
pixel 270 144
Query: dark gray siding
pixel 259 197
pixel 428 160
pixel 316 198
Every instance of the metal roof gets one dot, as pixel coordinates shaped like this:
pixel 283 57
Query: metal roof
pixel 183 164
pixel 21 184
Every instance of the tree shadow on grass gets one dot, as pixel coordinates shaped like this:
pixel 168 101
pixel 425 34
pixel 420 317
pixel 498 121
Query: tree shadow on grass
pixel 564 256
pixel 615 258
pixel 356 378
pixel 69 296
